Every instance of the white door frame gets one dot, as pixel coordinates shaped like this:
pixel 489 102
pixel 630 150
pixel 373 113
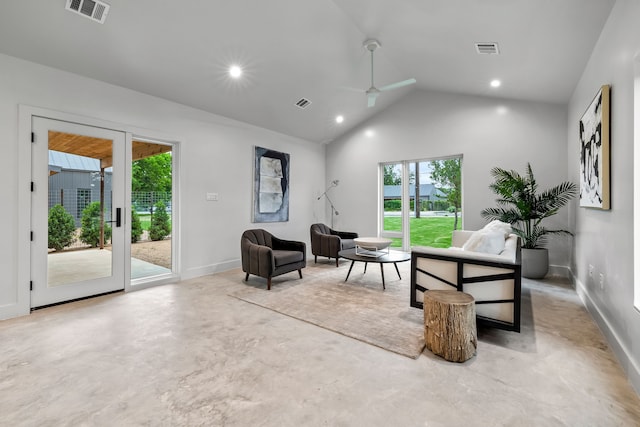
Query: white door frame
pixel 25 114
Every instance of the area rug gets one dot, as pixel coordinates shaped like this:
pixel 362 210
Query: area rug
pixel 358 308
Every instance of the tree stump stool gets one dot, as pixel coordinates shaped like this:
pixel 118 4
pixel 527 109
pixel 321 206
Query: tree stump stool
pixel 450 324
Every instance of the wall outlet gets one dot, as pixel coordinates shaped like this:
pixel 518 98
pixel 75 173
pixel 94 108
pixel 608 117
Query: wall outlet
pixel 590 270
pixel 601 281
pixel 212 197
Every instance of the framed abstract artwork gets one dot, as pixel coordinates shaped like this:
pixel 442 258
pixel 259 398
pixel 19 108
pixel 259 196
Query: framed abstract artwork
pixel 594 152
pixel 270 186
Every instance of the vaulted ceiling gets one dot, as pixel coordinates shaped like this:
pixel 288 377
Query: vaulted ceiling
pixel 312 49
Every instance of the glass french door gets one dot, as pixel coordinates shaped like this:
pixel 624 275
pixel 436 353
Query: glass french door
pixel 421 201
pixel 78 211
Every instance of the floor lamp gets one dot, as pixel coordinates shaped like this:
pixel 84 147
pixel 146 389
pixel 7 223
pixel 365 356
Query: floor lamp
pixel 334 183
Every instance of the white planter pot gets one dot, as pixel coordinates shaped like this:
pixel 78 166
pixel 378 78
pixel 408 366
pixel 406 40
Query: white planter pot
pixel 535 263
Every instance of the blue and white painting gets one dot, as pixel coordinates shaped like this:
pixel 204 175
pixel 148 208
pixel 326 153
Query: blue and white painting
pixel 270 186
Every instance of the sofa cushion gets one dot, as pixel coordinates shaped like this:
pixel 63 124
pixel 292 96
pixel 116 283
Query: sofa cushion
pixel 282 257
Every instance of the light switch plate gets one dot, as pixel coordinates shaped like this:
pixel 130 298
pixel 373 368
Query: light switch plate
pixel 212 197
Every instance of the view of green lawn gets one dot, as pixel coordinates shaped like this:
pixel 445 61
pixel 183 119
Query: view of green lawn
pixel 145 221
pixel 426 231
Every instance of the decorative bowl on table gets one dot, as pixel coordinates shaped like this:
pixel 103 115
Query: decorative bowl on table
pixel 372 243
pixel 372 246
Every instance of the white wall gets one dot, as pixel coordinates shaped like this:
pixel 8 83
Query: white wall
pixel 605 238
pixel 217 156
pixel 488 132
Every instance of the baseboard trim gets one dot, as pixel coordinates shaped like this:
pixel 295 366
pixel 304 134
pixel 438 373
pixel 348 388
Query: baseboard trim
pixel 560 271
pixel 211 269
pixel 620 350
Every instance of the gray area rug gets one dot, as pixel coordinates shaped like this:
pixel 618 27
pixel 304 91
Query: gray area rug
pixel 359 308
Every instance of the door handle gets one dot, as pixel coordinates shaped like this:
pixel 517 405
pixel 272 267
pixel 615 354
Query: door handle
pixel 118 220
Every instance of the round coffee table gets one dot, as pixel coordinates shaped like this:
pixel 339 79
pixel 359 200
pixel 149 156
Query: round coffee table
pixel 390 257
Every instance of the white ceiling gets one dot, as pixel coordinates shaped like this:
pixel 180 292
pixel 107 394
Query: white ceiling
pixel 291 49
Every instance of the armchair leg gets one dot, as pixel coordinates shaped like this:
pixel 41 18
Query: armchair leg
pixel 247 277
pixel 315 261
pixel 337 259
pixel 300 272
pixel 269 283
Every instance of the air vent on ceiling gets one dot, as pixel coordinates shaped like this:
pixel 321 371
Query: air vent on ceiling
pixel 92 9
pixel 487 48
pixel 303 103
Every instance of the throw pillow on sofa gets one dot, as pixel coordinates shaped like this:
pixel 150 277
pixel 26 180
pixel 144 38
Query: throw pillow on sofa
pixel 486 241
pixel 497 225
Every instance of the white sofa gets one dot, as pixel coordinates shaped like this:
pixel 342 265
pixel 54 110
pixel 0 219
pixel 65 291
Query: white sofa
pixel 493 280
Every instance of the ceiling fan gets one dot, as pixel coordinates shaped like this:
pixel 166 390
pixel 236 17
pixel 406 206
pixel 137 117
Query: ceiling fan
pixel 372 93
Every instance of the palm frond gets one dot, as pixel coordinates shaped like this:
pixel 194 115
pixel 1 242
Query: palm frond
pixel 531 179
pixel 558 196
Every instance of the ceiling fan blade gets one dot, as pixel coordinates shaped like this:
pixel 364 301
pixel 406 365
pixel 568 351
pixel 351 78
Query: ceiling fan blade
pixel 398 84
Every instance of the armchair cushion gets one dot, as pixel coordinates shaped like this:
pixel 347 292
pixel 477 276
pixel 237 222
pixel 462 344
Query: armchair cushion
pixel 282 257
pixel 347 244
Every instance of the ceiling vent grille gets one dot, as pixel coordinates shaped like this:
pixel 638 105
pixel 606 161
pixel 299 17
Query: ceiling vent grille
pixel 92 9
pixel 303 103
pixel 487 48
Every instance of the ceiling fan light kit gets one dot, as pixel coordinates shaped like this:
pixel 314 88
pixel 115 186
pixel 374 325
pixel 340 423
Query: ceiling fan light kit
pixel 373 92
pixel 371 44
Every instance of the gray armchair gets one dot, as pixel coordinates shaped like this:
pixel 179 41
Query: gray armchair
pixel 267 256
pixel 328 242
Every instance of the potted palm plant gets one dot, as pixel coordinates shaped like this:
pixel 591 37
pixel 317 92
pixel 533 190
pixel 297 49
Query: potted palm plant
pixel 521 205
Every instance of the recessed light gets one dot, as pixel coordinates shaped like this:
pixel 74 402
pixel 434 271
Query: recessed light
pixel 495 83
pixel 235 71
pixel 339 119
pixel 369 133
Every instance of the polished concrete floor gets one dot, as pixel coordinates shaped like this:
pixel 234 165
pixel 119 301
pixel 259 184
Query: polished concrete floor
pixel 189 354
